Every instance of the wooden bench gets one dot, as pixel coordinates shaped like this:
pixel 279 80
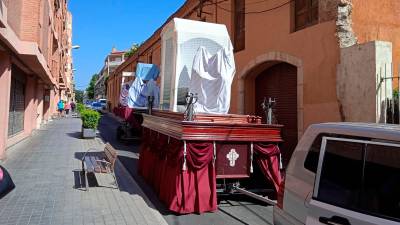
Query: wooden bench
pixel 100 163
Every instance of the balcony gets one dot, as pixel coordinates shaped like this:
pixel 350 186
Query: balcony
pixel 114 63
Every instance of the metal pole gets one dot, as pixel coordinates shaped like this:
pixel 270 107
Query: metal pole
pixel 398 93
pixel 377 85
pixel 385 95
pixel 380 95
pixel 391 86
pixel 256 196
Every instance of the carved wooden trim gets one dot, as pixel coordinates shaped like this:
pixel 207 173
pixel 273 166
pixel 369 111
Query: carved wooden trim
pixel 211 127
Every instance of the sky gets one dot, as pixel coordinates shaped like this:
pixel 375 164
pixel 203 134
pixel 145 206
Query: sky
pixel 98 25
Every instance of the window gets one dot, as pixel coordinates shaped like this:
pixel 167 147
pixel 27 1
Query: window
pixel 17 102
pixel 341 174
pixel 362 176
pixel 306 13
pixel 239 25
pixel 311 162
pixel 381 186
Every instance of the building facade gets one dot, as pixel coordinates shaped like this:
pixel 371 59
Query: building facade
pixel 35 65
pixel 112 61
pixel 318 58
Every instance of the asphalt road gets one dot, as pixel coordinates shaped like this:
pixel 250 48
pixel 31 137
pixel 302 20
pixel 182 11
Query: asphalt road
pixel 231 209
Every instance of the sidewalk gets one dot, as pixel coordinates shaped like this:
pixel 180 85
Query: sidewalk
pixel 45 169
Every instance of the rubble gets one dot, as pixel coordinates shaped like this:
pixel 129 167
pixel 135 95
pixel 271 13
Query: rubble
pixel 344 30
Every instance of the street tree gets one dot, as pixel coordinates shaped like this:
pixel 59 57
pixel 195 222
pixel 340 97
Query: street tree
pixel 78 96
pixel 90 89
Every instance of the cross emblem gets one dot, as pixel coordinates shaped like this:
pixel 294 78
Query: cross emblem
pixel 232 156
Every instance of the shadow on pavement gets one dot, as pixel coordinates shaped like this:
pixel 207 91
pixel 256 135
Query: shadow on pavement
pixel 80 182
pixel 77 134
pixel 128 155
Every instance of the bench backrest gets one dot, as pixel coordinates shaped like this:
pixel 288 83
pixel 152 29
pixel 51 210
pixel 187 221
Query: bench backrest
pixel 111 154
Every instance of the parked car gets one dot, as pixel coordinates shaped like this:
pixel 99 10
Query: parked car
pixel 88 103
pixel 97 106
pixel 103 103
pixel 342 173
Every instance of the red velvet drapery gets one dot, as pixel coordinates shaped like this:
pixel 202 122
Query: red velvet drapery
pixel 267 157
pixel 192 190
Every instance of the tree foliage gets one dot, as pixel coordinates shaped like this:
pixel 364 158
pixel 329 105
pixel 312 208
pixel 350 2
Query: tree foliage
pixel 132 50
pixel 396 92
pixel 90 89
pixel 78 96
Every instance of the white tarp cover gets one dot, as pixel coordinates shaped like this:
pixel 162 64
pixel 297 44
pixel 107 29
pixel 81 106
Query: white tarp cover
pixel 211 79
pixel 185 42
pixel 139 92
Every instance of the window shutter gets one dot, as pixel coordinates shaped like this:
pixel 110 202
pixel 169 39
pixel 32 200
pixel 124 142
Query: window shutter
pixel 239 25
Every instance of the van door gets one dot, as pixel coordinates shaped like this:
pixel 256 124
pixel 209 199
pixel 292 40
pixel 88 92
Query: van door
pixel 357 182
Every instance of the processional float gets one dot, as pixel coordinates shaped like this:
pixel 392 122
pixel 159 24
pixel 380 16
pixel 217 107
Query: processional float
pixel 189 141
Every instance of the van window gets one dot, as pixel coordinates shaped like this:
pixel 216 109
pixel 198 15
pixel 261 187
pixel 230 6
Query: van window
pixel 381 189
pixel 311 161
pixel 341 174
pixel 363 177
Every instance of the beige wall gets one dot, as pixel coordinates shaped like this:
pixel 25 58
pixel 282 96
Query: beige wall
pixel 357 85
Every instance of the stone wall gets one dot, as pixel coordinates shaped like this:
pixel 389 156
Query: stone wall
pixel 359 89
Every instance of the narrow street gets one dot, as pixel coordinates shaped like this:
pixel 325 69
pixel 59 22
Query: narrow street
pixel 249 112
pixel 231 210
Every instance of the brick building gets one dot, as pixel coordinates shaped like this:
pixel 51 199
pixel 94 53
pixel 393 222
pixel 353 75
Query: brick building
pixel 35 65
pixel 318 58
pixel 112 61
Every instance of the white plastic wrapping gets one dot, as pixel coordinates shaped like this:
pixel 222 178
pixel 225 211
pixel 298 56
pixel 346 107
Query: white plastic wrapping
pixel 211 79
pixel 181 40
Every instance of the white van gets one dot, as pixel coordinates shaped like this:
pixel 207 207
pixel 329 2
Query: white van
pixel 343 173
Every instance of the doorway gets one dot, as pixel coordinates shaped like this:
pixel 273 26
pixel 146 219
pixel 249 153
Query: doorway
pixel 279 82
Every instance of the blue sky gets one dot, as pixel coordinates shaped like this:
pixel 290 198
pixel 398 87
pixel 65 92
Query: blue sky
pixel 98 25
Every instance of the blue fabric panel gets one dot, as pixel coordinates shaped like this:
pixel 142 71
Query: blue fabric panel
pixel 147 71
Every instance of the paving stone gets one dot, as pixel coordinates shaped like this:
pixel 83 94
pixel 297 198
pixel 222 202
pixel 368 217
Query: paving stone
pixel 46 171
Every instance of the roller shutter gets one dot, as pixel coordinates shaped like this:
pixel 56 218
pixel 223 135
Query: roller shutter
pixel 280 82
pixel 17 102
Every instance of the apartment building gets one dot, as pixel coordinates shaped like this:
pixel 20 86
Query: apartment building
pixel 320 59
pixel 111 62
pixel 35 65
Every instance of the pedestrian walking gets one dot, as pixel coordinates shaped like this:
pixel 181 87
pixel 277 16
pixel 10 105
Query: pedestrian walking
pixel 73 105
pixel 60 106
pixel 67 107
